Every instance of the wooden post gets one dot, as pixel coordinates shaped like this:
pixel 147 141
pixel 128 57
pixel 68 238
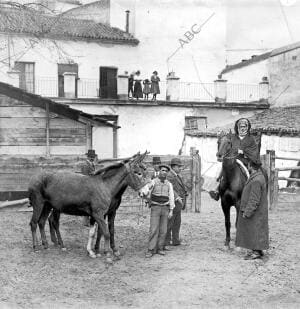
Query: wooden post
pixel 89 142
pixel 276 189
pixel 196 179
pixel 47 130
pixel 271 175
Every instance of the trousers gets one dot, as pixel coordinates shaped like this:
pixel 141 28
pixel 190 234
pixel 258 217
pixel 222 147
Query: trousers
pixel 158 227
pixel 174 227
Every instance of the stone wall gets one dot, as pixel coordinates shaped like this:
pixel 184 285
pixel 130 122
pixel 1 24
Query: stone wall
pixel 284 72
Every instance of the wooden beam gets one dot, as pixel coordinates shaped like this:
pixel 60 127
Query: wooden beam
pixel 289 179
pixel 47 130
pixel 293 168
pixel 284 158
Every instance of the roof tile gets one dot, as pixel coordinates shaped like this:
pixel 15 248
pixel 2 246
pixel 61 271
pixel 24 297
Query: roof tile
pixel 27 21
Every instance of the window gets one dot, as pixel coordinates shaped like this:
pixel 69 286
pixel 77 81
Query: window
pixel 26 75
pixel 195 123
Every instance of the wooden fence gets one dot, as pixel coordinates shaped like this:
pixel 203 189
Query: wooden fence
pixel 15 174
pixel 269 161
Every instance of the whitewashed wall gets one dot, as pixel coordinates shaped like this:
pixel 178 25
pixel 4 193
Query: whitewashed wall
pixel 249 74
pixel 102 141
pixel 46 55
pixel 159 129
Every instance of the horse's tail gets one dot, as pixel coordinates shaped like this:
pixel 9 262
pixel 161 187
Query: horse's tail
pixel 36 196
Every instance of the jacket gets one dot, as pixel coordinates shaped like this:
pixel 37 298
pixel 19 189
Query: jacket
pixel 179 189
pixel 253 231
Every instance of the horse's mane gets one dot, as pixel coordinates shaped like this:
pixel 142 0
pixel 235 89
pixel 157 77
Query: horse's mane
pixel 109 171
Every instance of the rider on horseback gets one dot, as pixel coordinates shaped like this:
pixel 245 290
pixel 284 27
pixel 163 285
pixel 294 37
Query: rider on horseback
pixel 243 145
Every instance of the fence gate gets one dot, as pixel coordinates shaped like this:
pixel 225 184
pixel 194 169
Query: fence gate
pixel 191 174
pixel 269 161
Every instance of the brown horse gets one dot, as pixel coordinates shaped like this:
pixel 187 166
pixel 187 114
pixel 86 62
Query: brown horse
pixel 80 195
pixel 110 215
pixel 232 181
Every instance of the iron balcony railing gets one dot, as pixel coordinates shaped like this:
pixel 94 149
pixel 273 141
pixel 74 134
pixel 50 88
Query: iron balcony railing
pixel 188 91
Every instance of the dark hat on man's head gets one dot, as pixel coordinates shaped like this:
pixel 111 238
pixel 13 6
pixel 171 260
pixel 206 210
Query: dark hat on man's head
pixel 176 161
pixel 255 162
pixel 155 72
pixel 165 166
pixel 91 153
pixel 156 160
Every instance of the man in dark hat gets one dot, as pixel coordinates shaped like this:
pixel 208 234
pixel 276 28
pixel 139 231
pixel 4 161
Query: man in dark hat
pixel 180 200
pixel 243 144
pixel 252 226
pixel 88 168
pixel 156 163
pixel 162 204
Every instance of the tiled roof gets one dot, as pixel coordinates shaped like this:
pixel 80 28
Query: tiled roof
pixel 27 21
pixel 261 57
pixel 279 120
pixel 244 63
pixel 54 107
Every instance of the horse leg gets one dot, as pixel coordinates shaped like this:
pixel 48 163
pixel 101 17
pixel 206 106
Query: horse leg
pixel 52 228
pixel 37 202
pixel 237 210
pixel 92 233
pixel 56 216
pixel 42 222
pixel 104 230
pixel 226 211
pixel 111 227
pixel 97 244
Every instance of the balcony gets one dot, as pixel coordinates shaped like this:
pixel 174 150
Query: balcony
pixel 188 91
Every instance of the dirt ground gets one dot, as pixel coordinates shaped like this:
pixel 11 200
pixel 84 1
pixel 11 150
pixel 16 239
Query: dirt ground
pixel 199 274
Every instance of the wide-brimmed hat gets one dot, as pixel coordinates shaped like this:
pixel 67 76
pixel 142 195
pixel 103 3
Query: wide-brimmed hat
pixel 91 153
pixel 165 166
pixel 255 161
pixel 176 161
pixel 156 160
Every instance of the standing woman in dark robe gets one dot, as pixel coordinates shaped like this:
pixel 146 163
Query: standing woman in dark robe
pixel 137 92
pixel 155 85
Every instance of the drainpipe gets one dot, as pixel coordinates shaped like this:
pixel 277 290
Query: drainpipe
pixel 127 21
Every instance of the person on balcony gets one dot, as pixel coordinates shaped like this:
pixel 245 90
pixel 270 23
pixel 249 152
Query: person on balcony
pixel 130 85
pixel 146 89
pixel 137 91
pixel 155 85
pixel 243 145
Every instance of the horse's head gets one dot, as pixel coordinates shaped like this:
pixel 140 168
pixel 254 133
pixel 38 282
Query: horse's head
pixel 136 173
pixel 224 145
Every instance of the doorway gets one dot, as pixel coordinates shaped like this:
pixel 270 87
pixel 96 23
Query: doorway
pixel 108 82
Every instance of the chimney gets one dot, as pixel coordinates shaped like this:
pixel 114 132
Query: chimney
pixel 127 21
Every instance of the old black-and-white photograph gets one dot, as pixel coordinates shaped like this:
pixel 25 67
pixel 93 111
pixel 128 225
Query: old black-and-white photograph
pixel 149 154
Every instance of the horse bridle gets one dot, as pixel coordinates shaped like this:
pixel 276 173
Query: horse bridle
pixel 130 172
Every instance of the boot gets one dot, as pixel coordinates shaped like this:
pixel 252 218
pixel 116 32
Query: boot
pixel 214 195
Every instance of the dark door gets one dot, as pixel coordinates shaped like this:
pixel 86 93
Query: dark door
pixel 108 83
